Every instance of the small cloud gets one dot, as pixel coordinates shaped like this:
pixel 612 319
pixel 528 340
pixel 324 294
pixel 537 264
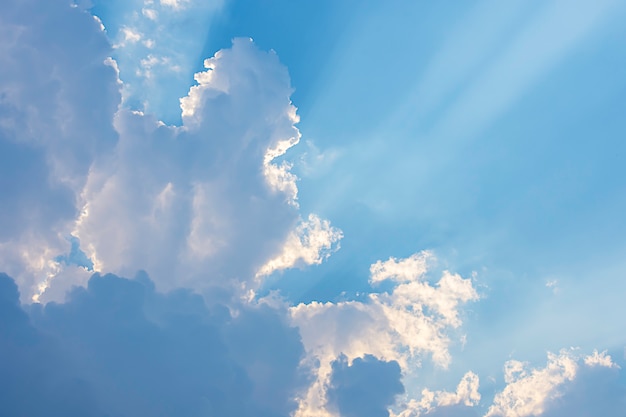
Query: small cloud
pixel 150 13
pixel 553 284
pixel 404 270
pixel 310 243
pixel 600 359
pixel 174 4
pixel 435 403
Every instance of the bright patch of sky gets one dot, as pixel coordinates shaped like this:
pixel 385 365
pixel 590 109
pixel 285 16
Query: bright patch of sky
pixel 312 209
pixel 157 45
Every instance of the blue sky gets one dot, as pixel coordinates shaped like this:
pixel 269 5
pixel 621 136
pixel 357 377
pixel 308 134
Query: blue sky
pixel 312 209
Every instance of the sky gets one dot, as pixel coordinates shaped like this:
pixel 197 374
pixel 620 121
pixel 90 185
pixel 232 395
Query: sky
pixel 312 208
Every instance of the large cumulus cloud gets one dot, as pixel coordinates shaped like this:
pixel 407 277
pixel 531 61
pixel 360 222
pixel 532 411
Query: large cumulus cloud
pixel 207 196
pixel 209 203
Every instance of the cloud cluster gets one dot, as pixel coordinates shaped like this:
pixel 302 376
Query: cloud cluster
pixel 569 384
pixel 411 321
pixel 88 182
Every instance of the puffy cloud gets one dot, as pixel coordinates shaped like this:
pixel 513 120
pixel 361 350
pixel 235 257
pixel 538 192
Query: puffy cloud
pixel 178 200
pixel 600 359
pixel 208 203
pixel 528 391
pixel 466 392
pixel 410 321
pixel 310 243
pixel 556 389
pixel 365 388
pixel 118 347
pixel 570 384
pixel 403 270
pixel 444 403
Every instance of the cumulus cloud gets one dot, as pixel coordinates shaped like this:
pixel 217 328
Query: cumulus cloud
pixel 528 391
pixel 91 179
pixel 569 384
pixel 206 204
pixel 118 347
pixel 443 403
pixel 200 194
pixel 411 321
pixel 600 359
pixel 310 243
pixel 554 389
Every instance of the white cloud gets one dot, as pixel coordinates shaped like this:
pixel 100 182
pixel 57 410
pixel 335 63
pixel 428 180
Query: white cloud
pixel 175 4
pixel 532 391
pixel 535 391
pixel 600 359
pixel 405 324
pixel 130 36
pixel 203 204
pixel 150 13
pixel 529 390
pixel 199 198
pixel 466 394
pixel 312 241
pixel 404 270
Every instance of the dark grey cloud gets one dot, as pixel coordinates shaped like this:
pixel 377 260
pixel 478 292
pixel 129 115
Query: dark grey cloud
pixel 365 388
pixel 119 348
